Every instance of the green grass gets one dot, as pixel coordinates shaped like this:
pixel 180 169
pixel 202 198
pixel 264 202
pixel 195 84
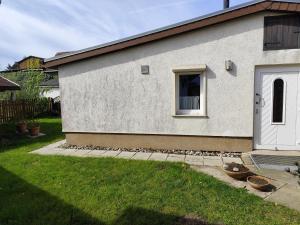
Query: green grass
pixel 56 190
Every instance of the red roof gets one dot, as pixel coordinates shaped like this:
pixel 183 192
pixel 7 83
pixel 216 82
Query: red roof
pixel 7 85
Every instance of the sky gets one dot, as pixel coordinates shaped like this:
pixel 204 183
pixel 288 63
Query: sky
pixel 44 27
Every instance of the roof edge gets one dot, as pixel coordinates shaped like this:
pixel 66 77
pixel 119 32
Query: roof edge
pixel 167 31
pixel 10 81
pixel 155 30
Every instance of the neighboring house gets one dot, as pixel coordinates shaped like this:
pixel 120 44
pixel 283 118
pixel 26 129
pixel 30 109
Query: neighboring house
pixel 30 62
pixel 50 88
pixel 8 85
pixel 227 81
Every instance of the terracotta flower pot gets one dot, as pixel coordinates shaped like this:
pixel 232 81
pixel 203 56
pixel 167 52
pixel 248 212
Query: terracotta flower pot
pixel 34 130
pixel 259 182
pixel 21 127
pixel 241 174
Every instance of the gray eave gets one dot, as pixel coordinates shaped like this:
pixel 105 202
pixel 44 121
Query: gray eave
pixel 166 28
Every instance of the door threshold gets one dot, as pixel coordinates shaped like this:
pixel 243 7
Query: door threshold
pixel 275 152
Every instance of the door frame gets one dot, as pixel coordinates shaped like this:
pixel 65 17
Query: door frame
pixel 257 89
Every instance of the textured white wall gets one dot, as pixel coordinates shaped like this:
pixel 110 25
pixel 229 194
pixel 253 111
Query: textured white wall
pixel 109 94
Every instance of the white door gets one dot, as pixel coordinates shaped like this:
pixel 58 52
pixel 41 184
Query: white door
pixel 277 109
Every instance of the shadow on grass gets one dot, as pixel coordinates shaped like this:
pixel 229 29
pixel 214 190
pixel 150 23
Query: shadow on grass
pixel 9 140
pixel 140 216
pixel 22 203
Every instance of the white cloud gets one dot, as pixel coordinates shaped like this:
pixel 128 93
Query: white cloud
pixel 45 27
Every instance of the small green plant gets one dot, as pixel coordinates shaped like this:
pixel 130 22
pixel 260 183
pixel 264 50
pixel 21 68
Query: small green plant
pixel 33 122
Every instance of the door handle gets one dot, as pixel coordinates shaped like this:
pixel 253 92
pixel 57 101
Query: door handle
pixel 258 99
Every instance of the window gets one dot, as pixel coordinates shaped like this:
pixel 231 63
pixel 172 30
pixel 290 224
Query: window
pixel 190 92
pixel 282 32
pixel 278 102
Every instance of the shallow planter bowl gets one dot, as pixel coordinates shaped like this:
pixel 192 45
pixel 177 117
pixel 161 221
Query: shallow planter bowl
pixel 239 175
pixel 259 182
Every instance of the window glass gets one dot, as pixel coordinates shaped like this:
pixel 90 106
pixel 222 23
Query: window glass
pixel 189 92
pixel 278 101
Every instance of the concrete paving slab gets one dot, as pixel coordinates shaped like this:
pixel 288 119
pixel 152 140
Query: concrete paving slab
pixel 95 153
pixel 194 160
pixel 158 156
pixel 59 143
pixel 126 155
pixel 278 175
pixel 219 174
pixel 66 152
pixel 212 162
pixel 288 195
pixel 232 160
pixel 246 159
pixel 110 153
pixel 81 153
pixel 38 151
pixel 47 151
pixel 56 144
pixel 142 156
pixel 212 157
pixel 176 158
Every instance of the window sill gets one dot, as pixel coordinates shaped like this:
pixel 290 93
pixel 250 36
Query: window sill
pixel 187 115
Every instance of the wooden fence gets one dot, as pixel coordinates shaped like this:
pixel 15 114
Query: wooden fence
pixel 23 109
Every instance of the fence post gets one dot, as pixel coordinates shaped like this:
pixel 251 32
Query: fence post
pixel 50 105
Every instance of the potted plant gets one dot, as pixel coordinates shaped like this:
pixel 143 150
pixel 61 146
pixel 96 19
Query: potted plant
pixel 34 127
pixel 21 124
pixel 21 127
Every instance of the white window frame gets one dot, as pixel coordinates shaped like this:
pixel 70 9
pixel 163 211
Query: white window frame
pixel 202 111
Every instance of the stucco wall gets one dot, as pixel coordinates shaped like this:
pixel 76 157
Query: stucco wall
pixel 108 94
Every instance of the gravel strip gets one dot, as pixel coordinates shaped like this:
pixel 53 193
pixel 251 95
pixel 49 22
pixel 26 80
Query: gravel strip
pixel 149 150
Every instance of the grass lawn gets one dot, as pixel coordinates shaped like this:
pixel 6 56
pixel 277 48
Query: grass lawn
pixel 57 190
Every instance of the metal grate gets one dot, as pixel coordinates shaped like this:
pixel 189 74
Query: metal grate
pixel 275 162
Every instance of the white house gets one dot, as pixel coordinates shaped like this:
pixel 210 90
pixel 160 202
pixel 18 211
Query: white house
pixel 227 81
pixel 50 88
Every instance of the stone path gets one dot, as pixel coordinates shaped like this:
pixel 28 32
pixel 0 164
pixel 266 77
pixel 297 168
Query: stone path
pixel 54 149
pixel 287 191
